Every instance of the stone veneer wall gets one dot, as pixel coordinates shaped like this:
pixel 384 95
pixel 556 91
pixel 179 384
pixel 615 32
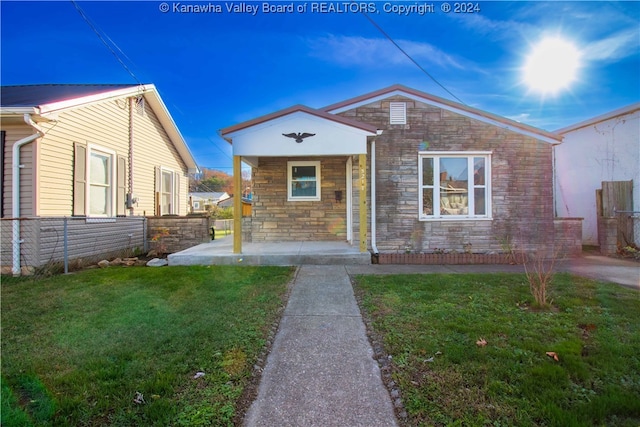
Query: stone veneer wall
pixel 568 236
pixel 184 231
pixel 521 175
pixel 608 235
pixel 275 219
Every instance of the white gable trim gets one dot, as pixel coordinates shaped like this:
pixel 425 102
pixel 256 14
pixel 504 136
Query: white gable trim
pixel 446 107
pixel 51 110
pixel 92 99
pixel 330 138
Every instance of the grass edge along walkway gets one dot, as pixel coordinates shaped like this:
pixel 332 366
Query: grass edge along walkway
pixel 76 349
pixel 431 328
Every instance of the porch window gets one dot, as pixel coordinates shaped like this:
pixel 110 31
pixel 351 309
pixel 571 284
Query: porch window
pixel 303 181
pixel 454 185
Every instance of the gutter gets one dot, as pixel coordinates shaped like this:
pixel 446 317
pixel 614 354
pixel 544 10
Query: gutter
pixel 374 242
pixel 15 190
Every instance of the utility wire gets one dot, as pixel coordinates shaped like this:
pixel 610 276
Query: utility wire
pixel 409 56
pixel 95 30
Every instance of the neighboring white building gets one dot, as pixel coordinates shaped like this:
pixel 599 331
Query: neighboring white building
pixel 201 202
pixel 604 148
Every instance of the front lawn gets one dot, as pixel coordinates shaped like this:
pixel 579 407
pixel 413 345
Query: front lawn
pixel 135 346
pixel 432 328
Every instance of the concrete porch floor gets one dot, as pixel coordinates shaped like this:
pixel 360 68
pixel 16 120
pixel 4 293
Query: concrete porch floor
pixel 220 252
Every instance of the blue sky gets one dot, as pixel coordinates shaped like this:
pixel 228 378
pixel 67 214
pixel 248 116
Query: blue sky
pixel 214 70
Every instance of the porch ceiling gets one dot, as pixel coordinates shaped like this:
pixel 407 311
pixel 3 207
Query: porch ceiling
pixel 329 135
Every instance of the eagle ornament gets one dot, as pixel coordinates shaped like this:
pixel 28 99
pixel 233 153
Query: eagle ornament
pixel 298 136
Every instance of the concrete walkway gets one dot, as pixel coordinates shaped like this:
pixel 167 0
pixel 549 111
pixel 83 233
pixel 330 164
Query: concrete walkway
pixel 321 371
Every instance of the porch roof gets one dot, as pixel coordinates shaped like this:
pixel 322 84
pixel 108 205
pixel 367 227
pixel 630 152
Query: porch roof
pixel 275 134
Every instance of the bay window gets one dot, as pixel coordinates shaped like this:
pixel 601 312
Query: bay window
pixel 454 185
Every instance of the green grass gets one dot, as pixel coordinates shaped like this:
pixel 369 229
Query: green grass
pixel 593 327
pixel 77 348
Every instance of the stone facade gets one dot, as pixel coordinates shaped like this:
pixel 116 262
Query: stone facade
pixel 274 218
pixel 521 182
pixel 608 235
pixel 521 190
pixel 170 234
pixel 568 236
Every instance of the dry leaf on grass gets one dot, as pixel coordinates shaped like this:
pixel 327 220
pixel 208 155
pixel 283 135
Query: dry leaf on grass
pixel 553 355
pixel 481 342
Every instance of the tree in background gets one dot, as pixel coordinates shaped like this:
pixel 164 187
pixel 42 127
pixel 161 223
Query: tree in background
pixel 215 181
pixel 211 181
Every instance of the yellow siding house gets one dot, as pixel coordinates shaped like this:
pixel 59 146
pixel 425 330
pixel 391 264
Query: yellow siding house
pixel 98 152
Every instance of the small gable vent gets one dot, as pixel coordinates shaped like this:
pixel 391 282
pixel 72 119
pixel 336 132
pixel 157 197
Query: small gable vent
pixel 398 113
pixel 140 104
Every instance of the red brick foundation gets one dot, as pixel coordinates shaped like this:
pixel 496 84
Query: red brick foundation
pixel 450 258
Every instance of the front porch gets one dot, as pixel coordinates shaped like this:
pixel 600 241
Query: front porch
pixel 309 184
pixel 220 252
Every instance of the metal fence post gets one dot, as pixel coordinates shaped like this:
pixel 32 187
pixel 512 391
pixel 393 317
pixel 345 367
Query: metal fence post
pixel 144 235
pixel 66 245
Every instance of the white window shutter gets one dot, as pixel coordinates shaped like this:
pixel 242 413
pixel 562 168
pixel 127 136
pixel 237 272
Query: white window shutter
pixel 398 113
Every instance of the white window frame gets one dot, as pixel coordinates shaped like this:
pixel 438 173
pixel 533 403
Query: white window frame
pixel 469 155
pixel 172 193
pixel 111 194
pixel 290 166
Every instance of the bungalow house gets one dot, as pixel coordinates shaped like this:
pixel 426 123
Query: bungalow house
pixel 399 171
pixel 603 148
pixel 102 153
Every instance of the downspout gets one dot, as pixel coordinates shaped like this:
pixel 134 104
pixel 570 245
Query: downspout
pixel 129 197
pixel 15 190
pixel 374 243
pixel 554 175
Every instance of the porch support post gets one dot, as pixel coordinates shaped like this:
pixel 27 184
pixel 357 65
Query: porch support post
pixel 237 205
pixel 362 178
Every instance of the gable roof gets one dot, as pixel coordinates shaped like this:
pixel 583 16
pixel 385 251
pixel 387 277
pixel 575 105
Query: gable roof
pixel 36 95
pixel 48 99
pixel 445 104
pixel 601 118
pixel 294 109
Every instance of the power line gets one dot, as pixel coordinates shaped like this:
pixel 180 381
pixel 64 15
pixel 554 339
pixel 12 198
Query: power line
pixel 95 30
pixel 409 56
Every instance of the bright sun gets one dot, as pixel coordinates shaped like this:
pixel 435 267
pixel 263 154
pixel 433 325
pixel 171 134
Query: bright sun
pixel 551 66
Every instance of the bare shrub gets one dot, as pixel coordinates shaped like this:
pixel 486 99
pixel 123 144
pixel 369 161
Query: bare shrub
pixel 539 270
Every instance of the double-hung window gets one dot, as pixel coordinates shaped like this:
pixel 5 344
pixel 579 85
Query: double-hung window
pixel 167 190
pixel 99 182
pixel 101 175
pixel 303 180
pixel 454 185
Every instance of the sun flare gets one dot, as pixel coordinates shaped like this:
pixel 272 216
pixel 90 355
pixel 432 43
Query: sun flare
pixel 551 66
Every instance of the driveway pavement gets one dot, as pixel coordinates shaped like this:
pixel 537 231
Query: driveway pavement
pixel 607 269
